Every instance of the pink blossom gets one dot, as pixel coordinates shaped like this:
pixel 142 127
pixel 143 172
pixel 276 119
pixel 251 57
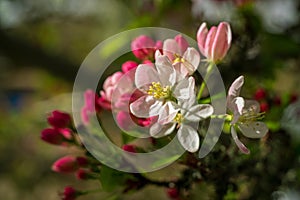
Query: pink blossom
pixel 59 119
pixel 215 43
pixel 185 59
pixel 65 164
pixel 143 47
pixel 109 87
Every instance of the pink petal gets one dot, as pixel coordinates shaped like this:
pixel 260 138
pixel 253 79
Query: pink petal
pixel 221 44
pixel 171 48
pixel 234 91
pixel 209 42
pixel 182 43
pixel 166 72
pixel 201 38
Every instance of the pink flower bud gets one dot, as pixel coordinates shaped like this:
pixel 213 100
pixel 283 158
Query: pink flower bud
pixel 124 120
pixel 264 107
pixel 56 136
pixel 143 47
pixel 214 43
pixel 65 164
pixel 129 65
pixel 129 148
pixel 59 119
pixel 182 43
pixel 70 193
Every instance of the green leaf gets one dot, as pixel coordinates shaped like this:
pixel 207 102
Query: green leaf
pixel 111 178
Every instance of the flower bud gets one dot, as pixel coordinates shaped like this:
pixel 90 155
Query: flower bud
pixel 65 164
pixel 56 136
pixel 129 148
pixel 83 174
pixel 264 107
pixel 59 119
pixel 182 43
pixel 143 47
pixel 70 193
pixel 260 94
pixel 173 193
pixel 82 161
pixel 52 136
pixel 214 43
pixel 129 65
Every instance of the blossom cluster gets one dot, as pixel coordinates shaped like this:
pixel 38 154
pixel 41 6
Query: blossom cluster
pixel 159 91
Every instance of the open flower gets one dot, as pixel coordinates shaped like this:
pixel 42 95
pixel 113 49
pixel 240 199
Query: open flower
pixel 184 59
pixel 187 113
pixel 160 89
pixel 214 43
pixel 245 115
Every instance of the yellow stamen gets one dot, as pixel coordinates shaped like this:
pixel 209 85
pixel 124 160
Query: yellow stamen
pixel 178 118
pixel 157 91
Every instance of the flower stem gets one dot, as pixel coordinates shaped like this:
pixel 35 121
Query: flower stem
pixel 208 72
pixel 227 117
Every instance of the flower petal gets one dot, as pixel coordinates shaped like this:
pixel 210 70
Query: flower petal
pixel 165 70
pixel 185 89
pixel 192 60
pixel 182 43
pixel 240 145
pixel 144 76
pixel 201 37
pixel 170 48
pixel 209 42
pixel 253 129
pixel 198 112
pixel 157 130
pixel 237 107
pixel 168 113
pixel 146 106
pixel 234 90
pixel 222 41
pixel 188 138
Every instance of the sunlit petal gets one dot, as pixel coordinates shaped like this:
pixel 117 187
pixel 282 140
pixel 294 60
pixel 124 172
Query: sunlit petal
pixel 146 106
pixel 188 138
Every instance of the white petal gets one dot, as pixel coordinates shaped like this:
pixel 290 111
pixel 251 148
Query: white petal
pixel 188 138
pixel 184 89
pixel 146 106
pixel 181 71
pixel 166 71
pixel 144 76
pixel 168 113
pixel 237 107
pixel 157 130
pixel 234 90
pixel 198 112
pixel 240 145
pixel 192 58
pixel 253 129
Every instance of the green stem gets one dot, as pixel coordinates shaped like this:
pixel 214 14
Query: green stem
pixel 227 117
pixel 208 71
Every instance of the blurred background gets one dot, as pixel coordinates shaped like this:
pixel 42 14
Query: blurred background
pixel 42 44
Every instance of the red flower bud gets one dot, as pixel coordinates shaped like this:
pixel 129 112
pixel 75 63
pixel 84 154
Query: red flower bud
pixel 82 161
pixel 129 148
pixel 260 94
pixel 52 136
pixel 143 47
pixel 82 174
pixel 65 164
pixel 293 98
pixel 173 193
pixel 264 107
pixel 70 193
pixel 59 119
pixel 129 65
